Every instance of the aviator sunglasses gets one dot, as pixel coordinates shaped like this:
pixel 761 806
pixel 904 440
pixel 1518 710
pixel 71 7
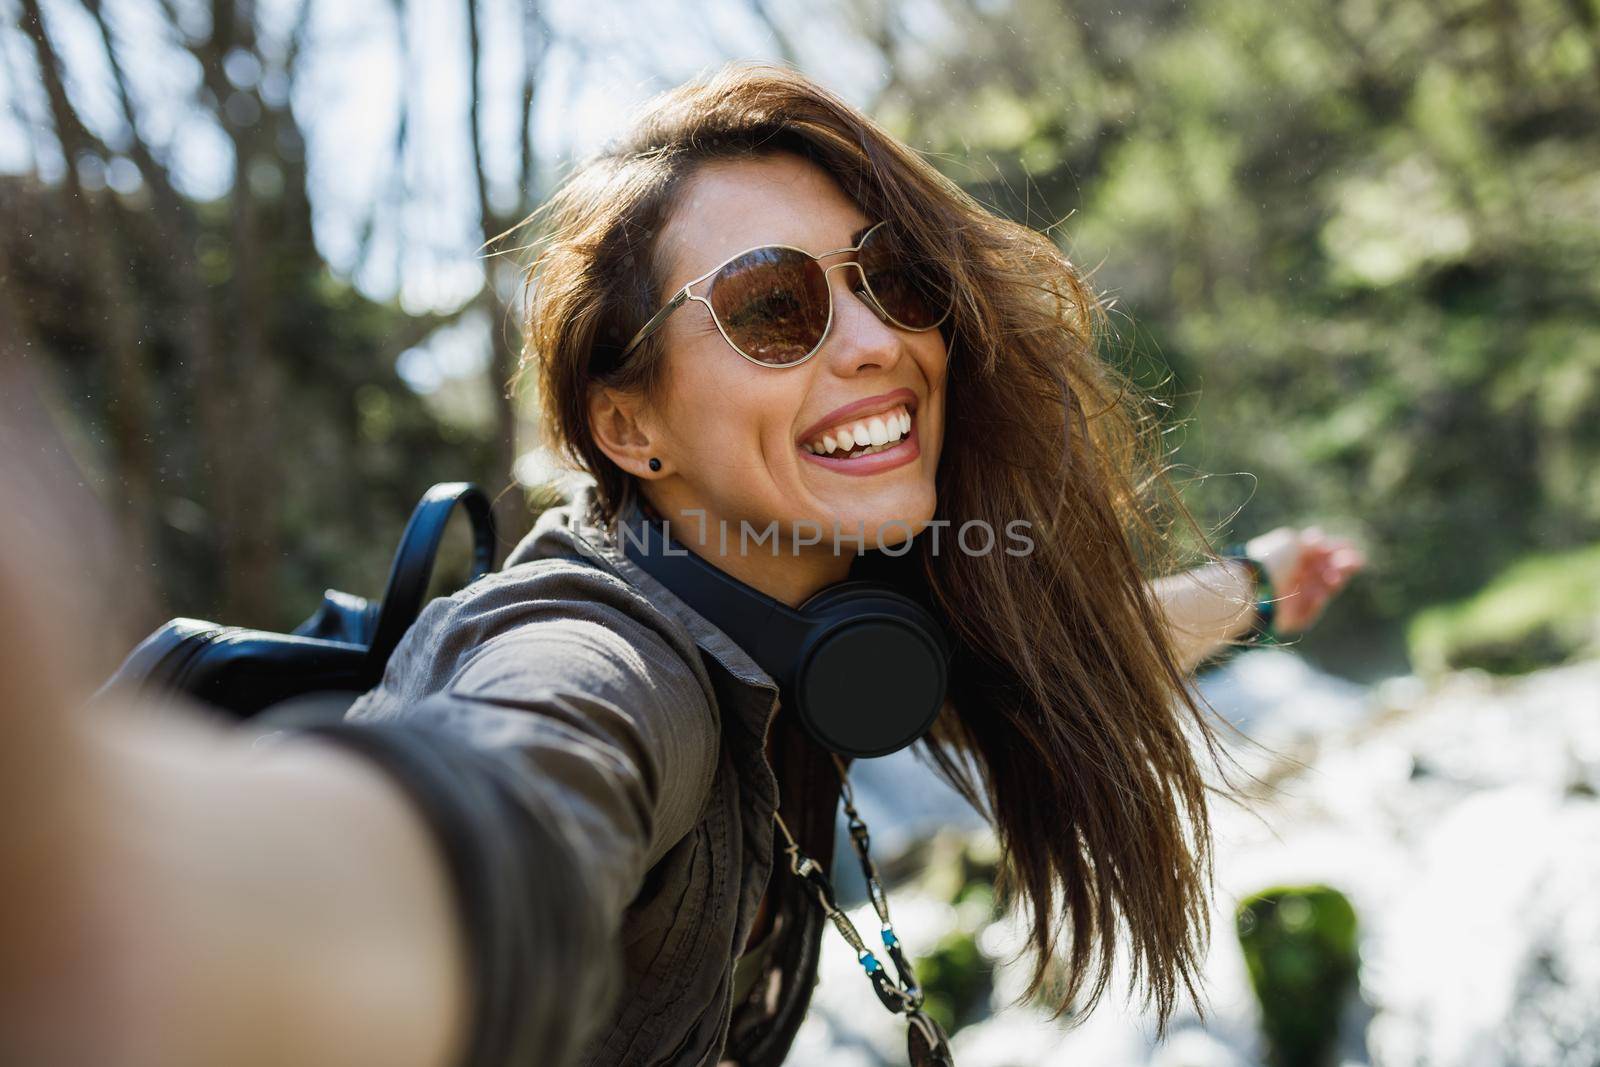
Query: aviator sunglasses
pixel 774 306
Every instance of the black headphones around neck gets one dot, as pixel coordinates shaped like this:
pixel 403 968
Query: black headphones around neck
pixel 863 664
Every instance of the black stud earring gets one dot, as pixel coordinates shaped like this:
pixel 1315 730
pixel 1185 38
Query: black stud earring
pixel 655 464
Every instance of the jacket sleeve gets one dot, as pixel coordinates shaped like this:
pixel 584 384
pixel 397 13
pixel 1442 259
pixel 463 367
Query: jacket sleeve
pixel 561 760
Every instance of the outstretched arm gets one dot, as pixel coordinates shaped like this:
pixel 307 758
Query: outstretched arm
pixel 171 896
pixel 1205 607
pixel 439 880
pixel 1210 605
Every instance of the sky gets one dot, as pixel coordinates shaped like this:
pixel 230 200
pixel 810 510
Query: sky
pixel 347 98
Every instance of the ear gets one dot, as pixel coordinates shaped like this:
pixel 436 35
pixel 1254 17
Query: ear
pixel 621 426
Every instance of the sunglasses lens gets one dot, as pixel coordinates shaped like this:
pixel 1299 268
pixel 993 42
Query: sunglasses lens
pixel 773 304
pixel 917 296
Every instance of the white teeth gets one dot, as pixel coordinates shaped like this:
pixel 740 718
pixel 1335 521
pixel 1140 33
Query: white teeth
pixel 824 445
pixel 866 437
pixel 873 449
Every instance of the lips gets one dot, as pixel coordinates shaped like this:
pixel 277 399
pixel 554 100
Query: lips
pixel 859 411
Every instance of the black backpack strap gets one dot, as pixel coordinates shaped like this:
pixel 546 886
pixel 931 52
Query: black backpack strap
pixel 413 563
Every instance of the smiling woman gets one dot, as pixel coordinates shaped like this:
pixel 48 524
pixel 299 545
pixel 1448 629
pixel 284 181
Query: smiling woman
pixel 990 406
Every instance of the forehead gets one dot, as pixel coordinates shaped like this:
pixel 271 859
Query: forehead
pixel 730 205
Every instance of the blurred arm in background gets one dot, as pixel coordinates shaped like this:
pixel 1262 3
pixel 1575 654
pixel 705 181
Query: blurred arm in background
pixel 1212 604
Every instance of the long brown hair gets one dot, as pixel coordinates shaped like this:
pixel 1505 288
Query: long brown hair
pixel 1066 692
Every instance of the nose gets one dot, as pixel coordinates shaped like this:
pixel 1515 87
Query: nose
pixel 860 335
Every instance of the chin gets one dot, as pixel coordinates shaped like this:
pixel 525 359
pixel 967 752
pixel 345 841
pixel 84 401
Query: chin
pixel 908 510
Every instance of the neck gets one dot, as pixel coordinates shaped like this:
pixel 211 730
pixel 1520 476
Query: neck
pixel 788 576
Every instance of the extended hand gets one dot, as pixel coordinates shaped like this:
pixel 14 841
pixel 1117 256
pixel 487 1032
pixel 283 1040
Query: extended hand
pixel 1307 568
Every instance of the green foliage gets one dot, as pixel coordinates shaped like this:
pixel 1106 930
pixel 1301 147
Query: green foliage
pixel 1299 946
pixel 1364 241
pixel 957 980
pixel 1541 611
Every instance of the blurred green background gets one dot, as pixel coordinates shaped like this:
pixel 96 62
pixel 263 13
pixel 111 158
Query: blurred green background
pixel 1352 243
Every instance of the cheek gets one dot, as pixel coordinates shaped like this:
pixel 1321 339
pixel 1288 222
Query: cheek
pixel 721 407
pixel 933 359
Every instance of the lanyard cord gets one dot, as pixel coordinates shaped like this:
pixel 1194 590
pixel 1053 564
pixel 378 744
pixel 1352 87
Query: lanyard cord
pixel 905 997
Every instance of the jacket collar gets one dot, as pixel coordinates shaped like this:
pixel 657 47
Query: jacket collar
pixel 574 528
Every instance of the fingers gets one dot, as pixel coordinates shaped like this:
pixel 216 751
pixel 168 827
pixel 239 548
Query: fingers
pixel 1319 566
pixel 59 584
pixel 1334 566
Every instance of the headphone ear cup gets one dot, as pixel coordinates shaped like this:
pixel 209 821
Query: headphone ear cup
pixel 872 673
pixel 864 666
pixel 849 599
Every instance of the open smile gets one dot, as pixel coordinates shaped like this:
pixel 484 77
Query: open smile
pixel 867 437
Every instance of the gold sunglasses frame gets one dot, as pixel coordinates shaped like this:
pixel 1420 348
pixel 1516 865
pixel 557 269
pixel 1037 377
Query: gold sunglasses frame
pixel 684 294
